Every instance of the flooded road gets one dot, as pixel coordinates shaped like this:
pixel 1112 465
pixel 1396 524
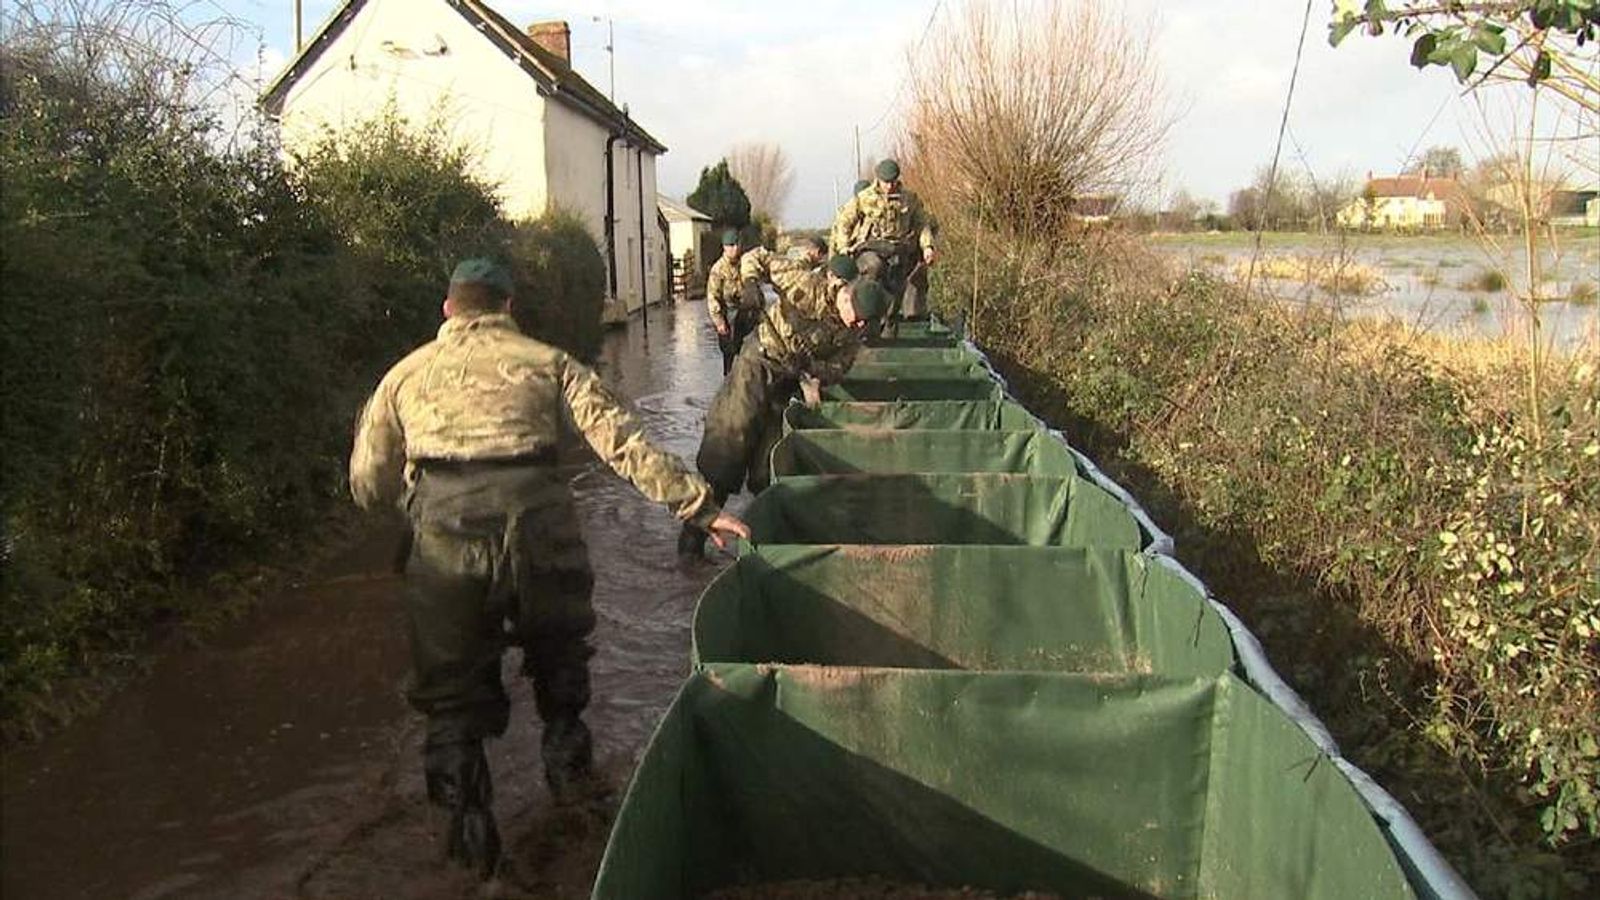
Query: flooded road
pixel 280 759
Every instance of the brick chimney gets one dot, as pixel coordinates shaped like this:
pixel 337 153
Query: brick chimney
pixel 553 36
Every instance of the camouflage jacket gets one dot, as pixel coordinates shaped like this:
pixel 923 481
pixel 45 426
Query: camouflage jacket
pixel 724 290
pixel 801 333
pixel 483 390
pixel 875 216
pixel 798 281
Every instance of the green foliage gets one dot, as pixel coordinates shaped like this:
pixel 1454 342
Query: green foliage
pixel 561 282
pixel 1448 620
pixel 1490 281
pixel 405 210
pixel 164 355
pixel 1458 34
pixel 187 334
pixel 720 196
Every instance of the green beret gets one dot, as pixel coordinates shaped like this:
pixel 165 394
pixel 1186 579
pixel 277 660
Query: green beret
pixel 869 298
pixel 861 185
pixel 484 271
pixel 888 170
pixel 730 238
pixel 844 267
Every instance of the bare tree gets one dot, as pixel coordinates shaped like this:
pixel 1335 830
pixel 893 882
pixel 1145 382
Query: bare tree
pixel 764 172
pixel 1018 109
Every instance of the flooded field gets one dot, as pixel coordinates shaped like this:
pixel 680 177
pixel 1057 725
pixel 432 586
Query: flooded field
pixel 279 759
pixel 1445 284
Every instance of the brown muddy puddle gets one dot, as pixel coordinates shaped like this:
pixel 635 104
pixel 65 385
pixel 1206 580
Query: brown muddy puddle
pixel 280 759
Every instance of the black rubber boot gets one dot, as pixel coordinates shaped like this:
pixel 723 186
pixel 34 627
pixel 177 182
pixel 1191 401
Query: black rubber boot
pixel 568 751
pixel 458 781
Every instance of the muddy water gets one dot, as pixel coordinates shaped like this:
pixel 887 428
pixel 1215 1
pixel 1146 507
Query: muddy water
pixel 280 760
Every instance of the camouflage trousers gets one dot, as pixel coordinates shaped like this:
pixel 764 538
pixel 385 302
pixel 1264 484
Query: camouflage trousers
pixel 903 277
pixel 745 420
pixel 497 560
pixel 744 321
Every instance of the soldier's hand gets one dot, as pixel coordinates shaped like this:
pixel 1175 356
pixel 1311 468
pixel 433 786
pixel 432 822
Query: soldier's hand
pixel 725 527
pixel 811 392
pixel 722 328
pixel 929 255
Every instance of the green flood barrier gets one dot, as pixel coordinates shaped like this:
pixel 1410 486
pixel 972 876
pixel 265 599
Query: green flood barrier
pixel 1031 452
pixel 924 328
pixel 898 355
pixel 1045 609
pixel 991 415
pixel 941 508
pixel 920 341
pixel 946 371
pixel 882 389
pixel 1127 786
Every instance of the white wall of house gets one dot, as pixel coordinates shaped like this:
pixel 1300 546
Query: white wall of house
pixel 424 60
pixel 390 54
pixel 575 153
pixel 1393 212
pixel 574 157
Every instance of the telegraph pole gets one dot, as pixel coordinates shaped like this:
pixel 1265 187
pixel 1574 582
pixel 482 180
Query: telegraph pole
pixel 298 29
pixel 611 52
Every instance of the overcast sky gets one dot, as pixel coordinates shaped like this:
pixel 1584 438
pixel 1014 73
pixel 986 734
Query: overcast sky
pixel 702 75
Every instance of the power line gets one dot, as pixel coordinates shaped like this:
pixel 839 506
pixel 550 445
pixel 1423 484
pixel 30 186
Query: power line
pixel 1277 153
pixel 904 75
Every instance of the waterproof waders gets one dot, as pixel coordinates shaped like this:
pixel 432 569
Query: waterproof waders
pixel 497 560
pixel 745 420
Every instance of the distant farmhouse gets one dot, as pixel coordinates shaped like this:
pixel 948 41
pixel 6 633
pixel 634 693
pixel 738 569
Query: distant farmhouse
pixel 1556 204
pixel 1405 203
pixel 541 133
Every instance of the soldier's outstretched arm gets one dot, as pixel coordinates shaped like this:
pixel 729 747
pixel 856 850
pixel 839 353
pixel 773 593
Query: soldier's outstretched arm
pixel 719 316
pixel 619 441
pixel 378 458
pixel 844 224
pixel 755 264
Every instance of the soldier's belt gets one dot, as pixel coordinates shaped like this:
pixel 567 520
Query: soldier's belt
pixel 546 456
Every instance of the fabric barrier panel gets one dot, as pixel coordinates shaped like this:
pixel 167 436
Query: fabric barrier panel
pixel 1080 785
pixel 880 389
pixel 841 452
pixel 897 355
pixel 992 415
pixel 942 509
pixel 1041 609
pixel 971 370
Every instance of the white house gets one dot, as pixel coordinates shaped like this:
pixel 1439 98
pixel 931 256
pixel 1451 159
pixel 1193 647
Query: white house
pixel 541 133
pixel 1407 202
pixel 687 234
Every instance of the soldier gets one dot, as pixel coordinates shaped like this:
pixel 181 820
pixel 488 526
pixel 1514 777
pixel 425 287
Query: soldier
pixel 892 237
pixel 794 275
pixel 735 306
pixel 808 339
pixel 464 432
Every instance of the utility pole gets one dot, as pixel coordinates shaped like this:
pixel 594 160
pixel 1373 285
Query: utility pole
pixel 611 52
pixel 858 151
pixel 298 26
